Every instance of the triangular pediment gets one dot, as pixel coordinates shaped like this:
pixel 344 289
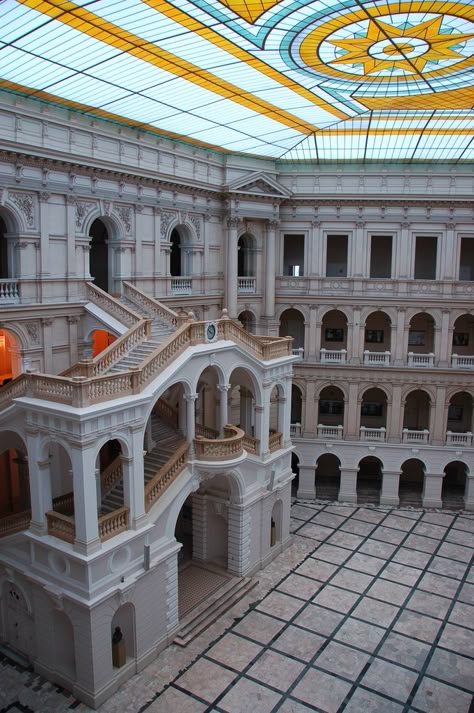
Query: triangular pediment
pixel 260 184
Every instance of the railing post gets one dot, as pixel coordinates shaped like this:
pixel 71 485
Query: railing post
pixel 454 360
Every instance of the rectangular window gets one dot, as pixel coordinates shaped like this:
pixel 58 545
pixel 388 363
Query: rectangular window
pixel 293 255
pixel 426 255
pixel 336 256
pixel 460 339
pixel 331 407
pixel 381 256
pixel 334 335
pixel 374 335
pixel 371 408
pixel 466 263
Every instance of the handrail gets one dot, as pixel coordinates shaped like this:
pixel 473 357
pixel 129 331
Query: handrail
pixel 157 308
pixel 15 388
pixel 14 523
pixel 227 448
pixel 168 472
pixel 205 431
pixel 111 305
pixel 61 526
pixel 167 412
pixel 275 441
pixel 251 444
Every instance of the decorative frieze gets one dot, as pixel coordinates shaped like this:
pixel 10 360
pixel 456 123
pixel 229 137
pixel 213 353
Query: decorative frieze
pixel 25 203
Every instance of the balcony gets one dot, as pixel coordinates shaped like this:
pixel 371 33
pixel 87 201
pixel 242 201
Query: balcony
pixel 462 362
pixel 372 434
pixel 459 439
pixel 410 435
pixel 9 293
pixel 333 356
pixel 247 285
pixel 423 360
pixel 376 358
pixel 181 286
pixel 330 432
pixel 210 447
pixel 295 430
pixel 299 352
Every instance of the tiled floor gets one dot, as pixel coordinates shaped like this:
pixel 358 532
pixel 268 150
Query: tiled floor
pixel 371 610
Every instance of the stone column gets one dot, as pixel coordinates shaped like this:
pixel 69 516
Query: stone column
pixel 39 484
pixel 358 251
pixel 469 493
pixel 306 482
pixel 438 418
pixel 71 235
pixel 395 417
pixel 231 282
pixel 85 499
pixel 238 540
pixel 390 483
pixel 449 264
pixel 270 268
pixel 403 262
pixel 223 406
pixel 262 424
pixel 138 239
pixel 432 487
pixel 444 341
pixel 156 242
pixel 47 323
pixel 44 234
pixel 355 342
pixel 348 487
pixel 399 338
pixel 351 425
pixel 200 542
pixel 313 344
pixel 310 410
pixel 134 479
pixel 190 417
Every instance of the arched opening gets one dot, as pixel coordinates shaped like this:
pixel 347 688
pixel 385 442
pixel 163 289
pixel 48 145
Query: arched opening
pixel 61 479
pixel 276 418
pixel 276 523
pixel 328 477
pixel 64 645
pixel 462 355
pixel 4 266
pixel 246 255
pixel 295 468
pixel 123 635
pixel 110 494
pixel 208 403
pixel 292 325
pixel 19 628
pixel 331 412
pixel 410 488
pixel 377 336
pixel 175 254
pixel 10 359
pixel 334 337
pixel 416 416
pixel 14 479
pixel 101 339
pixel 248 322
pixel 241 401
pixel 296 410
pixel 373 415
pixel 202 530
pixel 369 480
pixel 421 334
pixel 459 425
pixel 454 485
pixel 99 254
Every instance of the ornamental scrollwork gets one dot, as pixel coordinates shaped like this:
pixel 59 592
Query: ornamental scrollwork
pixel 25 204
pixel 167 218
pixel 125 214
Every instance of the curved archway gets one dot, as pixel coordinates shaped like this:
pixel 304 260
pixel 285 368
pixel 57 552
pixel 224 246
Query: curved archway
pixel 295 468
pixel 5 268
pixel 10 357
pixel 296 410
pixel 19 625
pixel 369 480
pixel 333 336
pixel 377 335
pixel 330 412
pixel 373 414
pixel 276 523
pixel 123 620
pixel 292 325
pixel 410 488
pixel 64 645
pixel 328 477
pixel 462 354
pixel 14 477
pixel 454 485
pixel 248 321
pixel 459 425
pixel 416 416
pixel 421 334
pixel 99 254
pixel 246 256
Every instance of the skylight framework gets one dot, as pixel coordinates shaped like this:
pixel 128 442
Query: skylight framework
pixel 318 81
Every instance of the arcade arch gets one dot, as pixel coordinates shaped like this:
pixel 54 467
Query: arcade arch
pixel 328 477
pixel 411 482
pixel 292 325
pixel 369 480
pixel 99 254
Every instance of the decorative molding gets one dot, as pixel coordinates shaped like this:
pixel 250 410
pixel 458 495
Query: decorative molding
pixel 25 203
pixel 125 214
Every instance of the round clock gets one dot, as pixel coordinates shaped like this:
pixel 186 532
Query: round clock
pixel 211 332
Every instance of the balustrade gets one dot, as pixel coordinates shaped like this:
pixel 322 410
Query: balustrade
pixel 165 476
pixel 372 434
pixel 275 441
pixel 376 358
pixel 330 432
pixel 333 356
pixel 459 361
pixel 181 286
pixel 458 439
pixel 426 360
pixel 251 444
pixel 299 352
pixel 113 523
pixel 221 449
pixel 411 435
pixel 295 429
pixel 247 285
pixel 9 292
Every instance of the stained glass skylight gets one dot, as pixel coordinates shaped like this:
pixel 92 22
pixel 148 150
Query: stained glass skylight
pixel 321 80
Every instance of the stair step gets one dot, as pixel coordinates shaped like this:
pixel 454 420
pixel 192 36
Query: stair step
pixel 200 618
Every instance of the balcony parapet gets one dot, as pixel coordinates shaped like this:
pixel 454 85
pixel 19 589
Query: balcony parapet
pixel 330 432
pixel 459 361
pixel 459 439
pixel 376 358
pixel 229 447
pixel 410 435
pixel 275 441
pixel 423 360
pixel 247 285
pixel 333 356
pixel 372 434
pixel 9 292
pixel 181 286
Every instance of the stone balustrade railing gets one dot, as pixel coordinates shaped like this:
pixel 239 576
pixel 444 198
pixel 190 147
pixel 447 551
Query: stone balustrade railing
pixel 333 432
pixel 15 523
pixel 167 412
pixel 275 442
pixel 454 438
pixel 221 449
pixel 251 444
pixel 412 435
pixel 160 310
pixel 205 431
pixel 372 434
pixel 165 476
pixel 113 523
pixel 61 526
pixel 9 291
pixel 111 475
pixel 111 305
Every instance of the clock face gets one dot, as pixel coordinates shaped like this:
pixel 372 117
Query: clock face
pixel 211 332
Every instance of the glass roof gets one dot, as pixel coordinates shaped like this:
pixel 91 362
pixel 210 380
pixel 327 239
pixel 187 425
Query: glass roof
pixel 321 80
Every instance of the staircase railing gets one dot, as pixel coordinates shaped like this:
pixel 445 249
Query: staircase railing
pixel 111 305
pixel 165 476
pixel 275 441
pixel 15 523
pixel 111 475
pixel 17 387
pixel 167 412
pixel 251 444
pixel 113 523
pixel 157 308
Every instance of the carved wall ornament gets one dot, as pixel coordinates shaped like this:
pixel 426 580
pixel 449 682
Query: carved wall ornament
pixel 196 223
pixel 82 209
pixel 125 214
pixel 25 204
pixel 32 329
pixel 167 217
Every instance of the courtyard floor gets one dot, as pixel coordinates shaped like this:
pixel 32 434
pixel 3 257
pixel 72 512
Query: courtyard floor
pixel 370 610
